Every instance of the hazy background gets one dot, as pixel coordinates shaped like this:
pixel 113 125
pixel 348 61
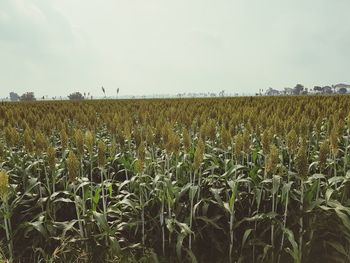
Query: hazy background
pixel 55 47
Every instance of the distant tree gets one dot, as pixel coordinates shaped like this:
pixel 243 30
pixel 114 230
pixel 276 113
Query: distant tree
pixel 76 96
pixel 28 96
pixel 342 91
pixel 305 91
pixel 327 89
pixel 298 89
pixel 14 96
pixel 318 88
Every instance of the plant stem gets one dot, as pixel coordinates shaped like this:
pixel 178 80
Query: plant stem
pixel 79 220
pixel 284 224
pixel 8 230
pixel 162 224
pixel 103 194
pixel 231 232
pixel 142 217
pixel 346 153
pixel 191 215
pixel 91 184
pixel 273 228
pixel 301 220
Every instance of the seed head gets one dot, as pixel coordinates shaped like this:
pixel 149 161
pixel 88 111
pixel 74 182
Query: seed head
pixel 40 142
pixel 79 142
pixel 1 150
pixel 333 140
pixel 141 155
pixel 303 126
pixel 51 157
pixel 238 145
pixel 175 141
pixel 90 141
pixel 73 166
pixel 64 138
pixel 28 140
pixel 198 154
pixel 272 160
pixel 127 131
pixel 186 139
pixel 11 136
pixel 292 142
pixel 211 130
pixel 266 141
pixel 225 137
pixel 246 142
pixel 4 185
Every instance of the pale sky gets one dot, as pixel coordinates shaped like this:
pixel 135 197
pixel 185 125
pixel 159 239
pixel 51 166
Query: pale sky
pixel 55 47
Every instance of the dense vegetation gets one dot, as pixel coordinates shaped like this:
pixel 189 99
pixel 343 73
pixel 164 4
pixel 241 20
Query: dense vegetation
pixel 206 180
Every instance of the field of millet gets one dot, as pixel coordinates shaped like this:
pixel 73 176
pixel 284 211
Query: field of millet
pixel 260 179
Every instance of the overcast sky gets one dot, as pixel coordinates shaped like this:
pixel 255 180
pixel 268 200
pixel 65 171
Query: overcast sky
pixel 55 47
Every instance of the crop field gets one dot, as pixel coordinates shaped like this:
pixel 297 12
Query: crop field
pixel 254 179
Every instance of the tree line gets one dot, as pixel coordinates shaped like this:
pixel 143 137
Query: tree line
pixel 29 96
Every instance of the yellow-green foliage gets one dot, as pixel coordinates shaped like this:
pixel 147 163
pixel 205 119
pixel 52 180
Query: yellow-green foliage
pixel 4 185
pixel 259 179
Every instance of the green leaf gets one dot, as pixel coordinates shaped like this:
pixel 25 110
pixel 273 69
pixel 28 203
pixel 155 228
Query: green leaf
pixel 101 221
pixel 245 236
pixel 295 249
pixel 96 198
pixel 329 193
pixel 216 192
pixel 339 248
pixel 193 191
pixel 179 241
pixel 276 179
pixel 232 201
pixel 63 200
pixel 211 221
pixel 191 255
pixel 38 225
